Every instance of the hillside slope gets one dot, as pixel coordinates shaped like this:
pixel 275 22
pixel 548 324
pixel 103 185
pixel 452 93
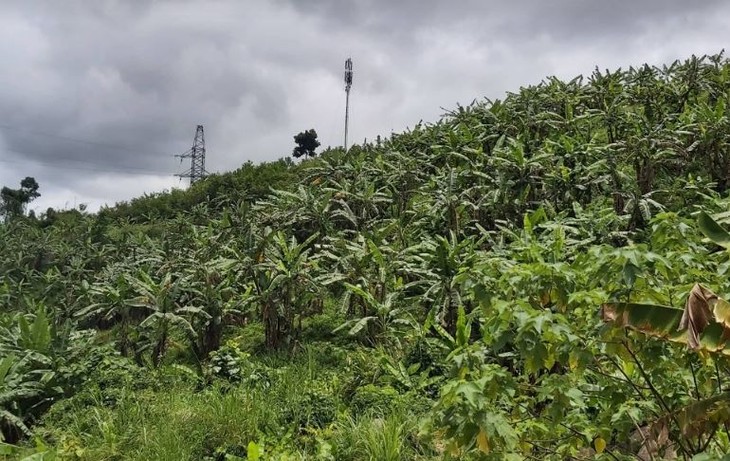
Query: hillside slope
pixel 432 296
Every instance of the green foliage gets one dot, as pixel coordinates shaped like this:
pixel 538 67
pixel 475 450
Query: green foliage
pixel 430 296
pixel 378 438
pixel 249 183
pixel 229 363
pixel 374 400
pixel 14 201
pixel 713 230
pixel 283 288
pixel 312 408
pixel 306 144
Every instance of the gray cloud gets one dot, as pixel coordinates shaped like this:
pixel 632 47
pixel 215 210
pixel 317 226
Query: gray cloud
pixel 140 75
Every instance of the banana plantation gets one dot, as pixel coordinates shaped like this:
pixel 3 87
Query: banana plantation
pixel 539 277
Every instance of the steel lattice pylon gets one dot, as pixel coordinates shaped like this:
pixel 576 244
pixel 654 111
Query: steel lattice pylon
pixel 197 158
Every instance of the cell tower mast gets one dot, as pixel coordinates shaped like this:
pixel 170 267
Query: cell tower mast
pixel 348 84
pixel 197 158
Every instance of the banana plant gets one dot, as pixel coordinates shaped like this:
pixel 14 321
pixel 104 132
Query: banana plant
pixel 35 355
pixel 110 306
pixel 284 284
pixel 211 285
pixel 384 315
pixel 440 261
pixel 161 303
pixel 307 210
pixel 17 385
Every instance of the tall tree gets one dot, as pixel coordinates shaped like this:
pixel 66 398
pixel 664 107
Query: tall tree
pixel 306 144
pixel 14 201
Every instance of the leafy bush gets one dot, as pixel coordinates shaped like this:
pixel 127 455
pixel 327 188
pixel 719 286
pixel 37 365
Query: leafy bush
pixel 374 400
pixel 320 327
pixel 251 338
pixel 326 355
pixel 229 363
pixel 312 407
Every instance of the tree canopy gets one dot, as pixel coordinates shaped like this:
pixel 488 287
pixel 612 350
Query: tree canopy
pixel 306 144
pixel 14 201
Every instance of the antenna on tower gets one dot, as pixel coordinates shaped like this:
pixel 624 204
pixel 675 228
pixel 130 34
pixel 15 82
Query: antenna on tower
pixel 348 84
pixel 197 158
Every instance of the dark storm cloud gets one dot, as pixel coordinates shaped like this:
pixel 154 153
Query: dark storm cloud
pixel 130 80
pixel 567 19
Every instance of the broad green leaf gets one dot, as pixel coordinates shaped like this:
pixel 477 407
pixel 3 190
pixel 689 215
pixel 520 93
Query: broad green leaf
pixel 41 331
pixel 359 325
pixel 463 328
pixel 470 392
pixel 713 230
pixel 5 366
pixel 654 320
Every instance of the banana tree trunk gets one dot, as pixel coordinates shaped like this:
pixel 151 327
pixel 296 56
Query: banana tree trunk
pixel 277 328
pixel 212 336
pixel 159 350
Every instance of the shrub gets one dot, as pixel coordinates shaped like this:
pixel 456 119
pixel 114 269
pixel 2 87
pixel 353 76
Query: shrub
pixel 320 327
pixel 373 400
pixel 311 408
pixel 229 362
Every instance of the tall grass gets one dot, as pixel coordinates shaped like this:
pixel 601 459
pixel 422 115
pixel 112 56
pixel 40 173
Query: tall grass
pixel 178 424
pixel 295 407
pixel 389 438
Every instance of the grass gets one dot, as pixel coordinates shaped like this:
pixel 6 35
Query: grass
pixel 325 402
pixel 294 406
pixel 175 424
pixel 390 438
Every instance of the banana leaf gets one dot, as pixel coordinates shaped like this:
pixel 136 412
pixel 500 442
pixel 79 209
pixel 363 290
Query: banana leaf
pixel 713 230
pixel 696 421
pixel 704 323
pixel 701 417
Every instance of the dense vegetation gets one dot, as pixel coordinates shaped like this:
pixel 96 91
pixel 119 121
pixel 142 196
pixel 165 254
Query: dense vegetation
pixel 469 289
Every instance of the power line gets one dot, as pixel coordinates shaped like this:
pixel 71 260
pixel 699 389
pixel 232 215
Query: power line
pixel 77 140
pixel 103 168
pixel 197 154
pixel 69 159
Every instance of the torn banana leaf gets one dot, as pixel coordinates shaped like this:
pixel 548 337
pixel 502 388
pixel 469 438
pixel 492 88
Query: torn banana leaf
pixel 704 323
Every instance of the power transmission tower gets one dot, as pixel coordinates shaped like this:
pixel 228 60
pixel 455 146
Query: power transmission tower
pixel 197 158
pixel 348 84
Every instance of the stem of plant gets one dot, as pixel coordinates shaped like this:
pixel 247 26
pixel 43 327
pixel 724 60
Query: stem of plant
pixel 621 370
pixel 719 389
pixel 657 395
pixel 694 379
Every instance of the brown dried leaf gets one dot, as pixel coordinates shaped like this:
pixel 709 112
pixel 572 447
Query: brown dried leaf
pixel 697 314
pixel 655 443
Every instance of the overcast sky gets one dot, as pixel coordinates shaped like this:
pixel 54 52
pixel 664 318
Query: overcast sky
pixel 97 96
